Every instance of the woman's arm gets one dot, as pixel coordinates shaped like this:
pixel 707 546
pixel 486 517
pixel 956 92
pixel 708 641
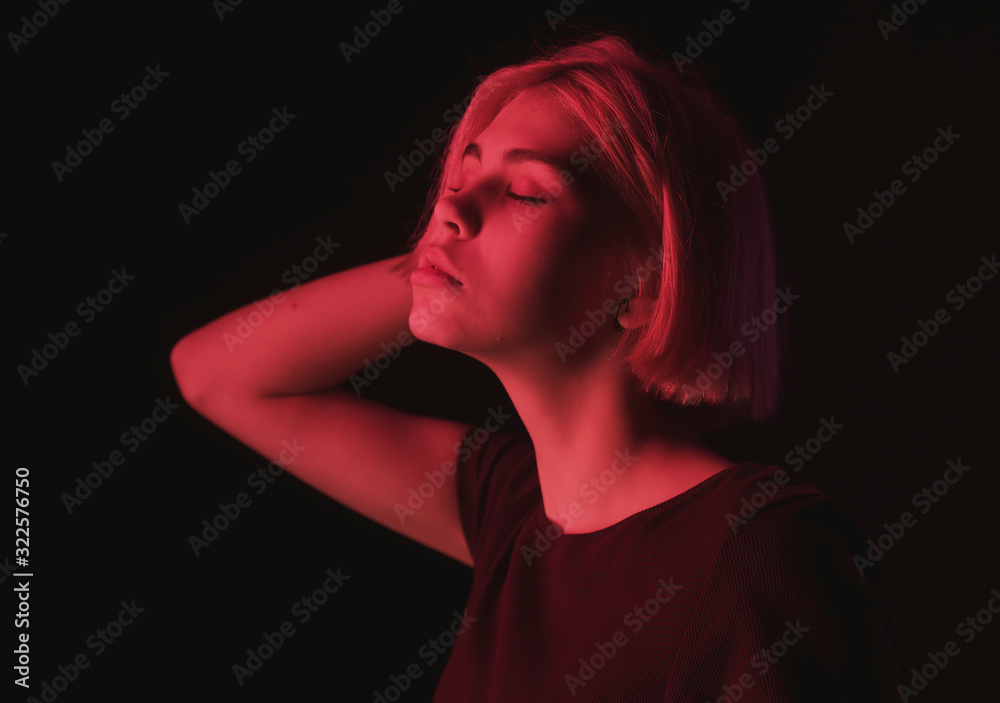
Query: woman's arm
pixel 276 389
pixel 316 337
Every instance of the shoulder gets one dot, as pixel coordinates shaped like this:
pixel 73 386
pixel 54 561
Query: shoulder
pixel 782 583
pixel 774 502
pixel 745 490
pixel 496 473
pixel 731 499
pixel 756 518
pixel 750 491
pixel 496 459
pixel 789 547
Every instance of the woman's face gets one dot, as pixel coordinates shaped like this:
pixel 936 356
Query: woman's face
pixel 530 234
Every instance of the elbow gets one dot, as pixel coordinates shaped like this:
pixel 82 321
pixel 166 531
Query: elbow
pixel 188 368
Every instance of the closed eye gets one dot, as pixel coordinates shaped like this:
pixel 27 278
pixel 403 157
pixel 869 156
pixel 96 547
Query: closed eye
pixel 526 199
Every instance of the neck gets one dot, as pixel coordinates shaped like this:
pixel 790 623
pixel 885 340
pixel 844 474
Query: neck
pixel 604 448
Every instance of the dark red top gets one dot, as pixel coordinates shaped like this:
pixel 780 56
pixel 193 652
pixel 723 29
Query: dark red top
pixel 675 603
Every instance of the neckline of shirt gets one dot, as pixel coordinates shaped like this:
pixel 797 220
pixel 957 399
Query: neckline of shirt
pixel 563 540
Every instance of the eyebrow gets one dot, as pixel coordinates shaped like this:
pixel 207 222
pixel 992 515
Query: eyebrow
pixel 514 156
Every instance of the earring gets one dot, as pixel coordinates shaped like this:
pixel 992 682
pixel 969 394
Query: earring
pixel 617 326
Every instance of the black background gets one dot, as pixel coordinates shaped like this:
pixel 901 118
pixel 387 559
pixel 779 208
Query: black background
pixel 324 175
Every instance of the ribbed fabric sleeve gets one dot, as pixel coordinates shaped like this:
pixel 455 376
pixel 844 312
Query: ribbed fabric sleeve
pixel 784 615
pixel 491 479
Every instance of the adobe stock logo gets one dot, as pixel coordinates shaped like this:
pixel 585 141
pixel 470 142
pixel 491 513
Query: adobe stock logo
pixel 432 650
pixel 967 628
pixel 99 642
pixel 592 490
pixel 635 619
pixel 221 7
pixel 958 296
pixel 463 449
pixel 752 329
pixel 916 166
pixel 407 164
pixel 900 15
pixel 923 500
pixel 303 609
pixel 796 458
pixel 787 127
pixel 713 30
pixel 30 27
pixel 131 439
pixel 229 512
pixel 121 107
pixel 250 148
pixel 763 661
pixel 294 276
pixel 566 7
pixel 608 311
pixel 87 309
pixel 363 35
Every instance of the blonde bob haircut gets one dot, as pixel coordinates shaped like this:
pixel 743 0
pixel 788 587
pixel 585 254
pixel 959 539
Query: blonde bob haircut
pixel 668 147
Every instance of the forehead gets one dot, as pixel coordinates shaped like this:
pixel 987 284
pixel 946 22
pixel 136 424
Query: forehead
pixel 532 120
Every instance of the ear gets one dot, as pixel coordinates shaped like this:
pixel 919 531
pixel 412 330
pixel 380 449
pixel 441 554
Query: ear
pixel 639 314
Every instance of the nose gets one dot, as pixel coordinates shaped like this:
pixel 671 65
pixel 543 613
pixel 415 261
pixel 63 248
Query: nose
pixel 458 213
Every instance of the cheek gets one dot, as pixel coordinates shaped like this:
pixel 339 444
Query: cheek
pixel 518 280
pixel 526 256
pixel 547 275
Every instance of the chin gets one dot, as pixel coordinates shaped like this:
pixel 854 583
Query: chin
pixel 430 322
pixel 444 331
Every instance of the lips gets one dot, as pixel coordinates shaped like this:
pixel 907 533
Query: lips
pixel 430 277
pixel 434 264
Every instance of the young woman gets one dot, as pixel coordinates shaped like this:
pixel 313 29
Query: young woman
pixel 583 239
